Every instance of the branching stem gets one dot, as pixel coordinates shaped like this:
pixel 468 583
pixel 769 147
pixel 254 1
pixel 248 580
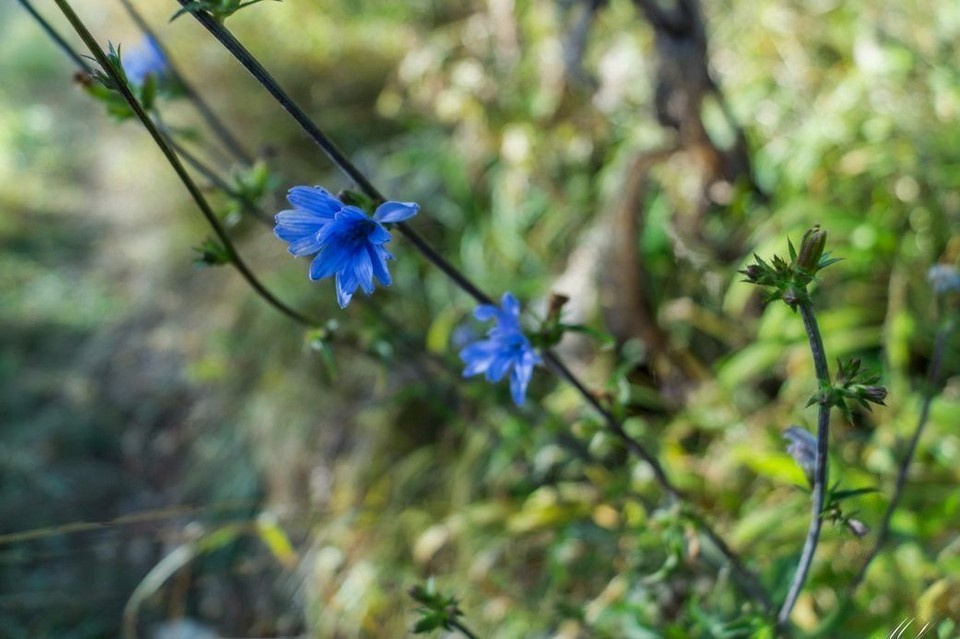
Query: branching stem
pixel 747 580
pixel 216 125
pixel 820 474
pixel 933 377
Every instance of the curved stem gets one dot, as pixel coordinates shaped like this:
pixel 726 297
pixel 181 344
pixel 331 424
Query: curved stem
pixel 174 161
pixel 219 128
pixel 50 31
pixel 883 532
pixel 820 474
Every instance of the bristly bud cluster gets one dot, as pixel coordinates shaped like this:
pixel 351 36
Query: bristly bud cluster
pixel 437 611
pixel 145 72
pixel 852 383
pixel 835 513
pixel 788 280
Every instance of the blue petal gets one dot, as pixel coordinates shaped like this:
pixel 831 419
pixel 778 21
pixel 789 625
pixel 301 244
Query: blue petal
pixel 378 257
pixel 499 367
pixel 330 260
pixel 510 304
pixel 478 357
pixel 518 384
pixel 362 269
pixel 292 225
pixel 379 235
pixel 346 285
pixel 314 199
pixel 390 212
pixel 307 245
pixel 352 215
pixel 486 312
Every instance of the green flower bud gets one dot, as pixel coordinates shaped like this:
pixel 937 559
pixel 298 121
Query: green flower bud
pixel 811 249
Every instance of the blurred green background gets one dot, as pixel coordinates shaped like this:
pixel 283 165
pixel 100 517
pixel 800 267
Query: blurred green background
pixel 166 435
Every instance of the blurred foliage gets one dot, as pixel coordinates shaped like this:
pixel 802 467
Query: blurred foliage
pixel 131 382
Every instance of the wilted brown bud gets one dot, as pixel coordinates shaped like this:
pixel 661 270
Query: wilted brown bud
pixel 83 78
pixel 752 272
pixel 811 249
pixel 556 304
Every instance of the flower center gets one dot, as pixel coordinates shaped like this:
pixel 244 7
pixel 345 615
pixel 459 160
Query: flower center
pixel 359 231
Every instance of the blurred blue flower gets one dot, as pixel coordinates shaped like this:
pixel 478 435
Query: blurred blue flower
pixel 944 278
pixel 506 348
pixel 803 449
pixel 144 59
pixel 346 241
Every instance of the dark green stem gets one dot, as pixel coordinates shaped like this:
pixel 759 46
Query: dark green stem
pixel 174 161
pixel 463 630
pixel 219 128
pixel 820 473
pixel 933 378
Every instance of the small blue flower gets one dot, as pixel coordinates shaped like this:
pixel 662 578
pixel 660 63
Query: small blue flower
pixel 144 59
pixel 803 449
pixel 944 278
pixel 346 241
pixel 506 348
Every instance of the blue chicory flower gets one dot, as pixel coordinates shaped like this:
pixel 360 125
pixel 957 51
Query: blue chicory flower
pixel 505 349
pixel 144 59
pixel 346 241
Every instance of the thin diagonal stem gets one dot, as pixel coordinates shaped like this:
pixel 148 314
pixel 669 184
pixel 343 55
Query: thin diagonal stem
pixel 257 70
pixel 466 632
pixel 174 161
pixel 820 473
pixel 933 377
pixel 216 125
pixel 50 31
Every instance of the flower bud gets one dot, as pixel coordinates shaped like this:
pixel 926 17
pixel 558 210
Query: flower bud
pixel 875 394
pixel 753 272
pixel 857 527
pixel 811 249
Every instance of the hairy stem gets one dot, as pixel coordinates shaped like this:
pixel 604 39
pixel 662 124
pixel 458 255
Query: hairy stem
pixel 820 475
pixel 174 161
pixel 933 377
